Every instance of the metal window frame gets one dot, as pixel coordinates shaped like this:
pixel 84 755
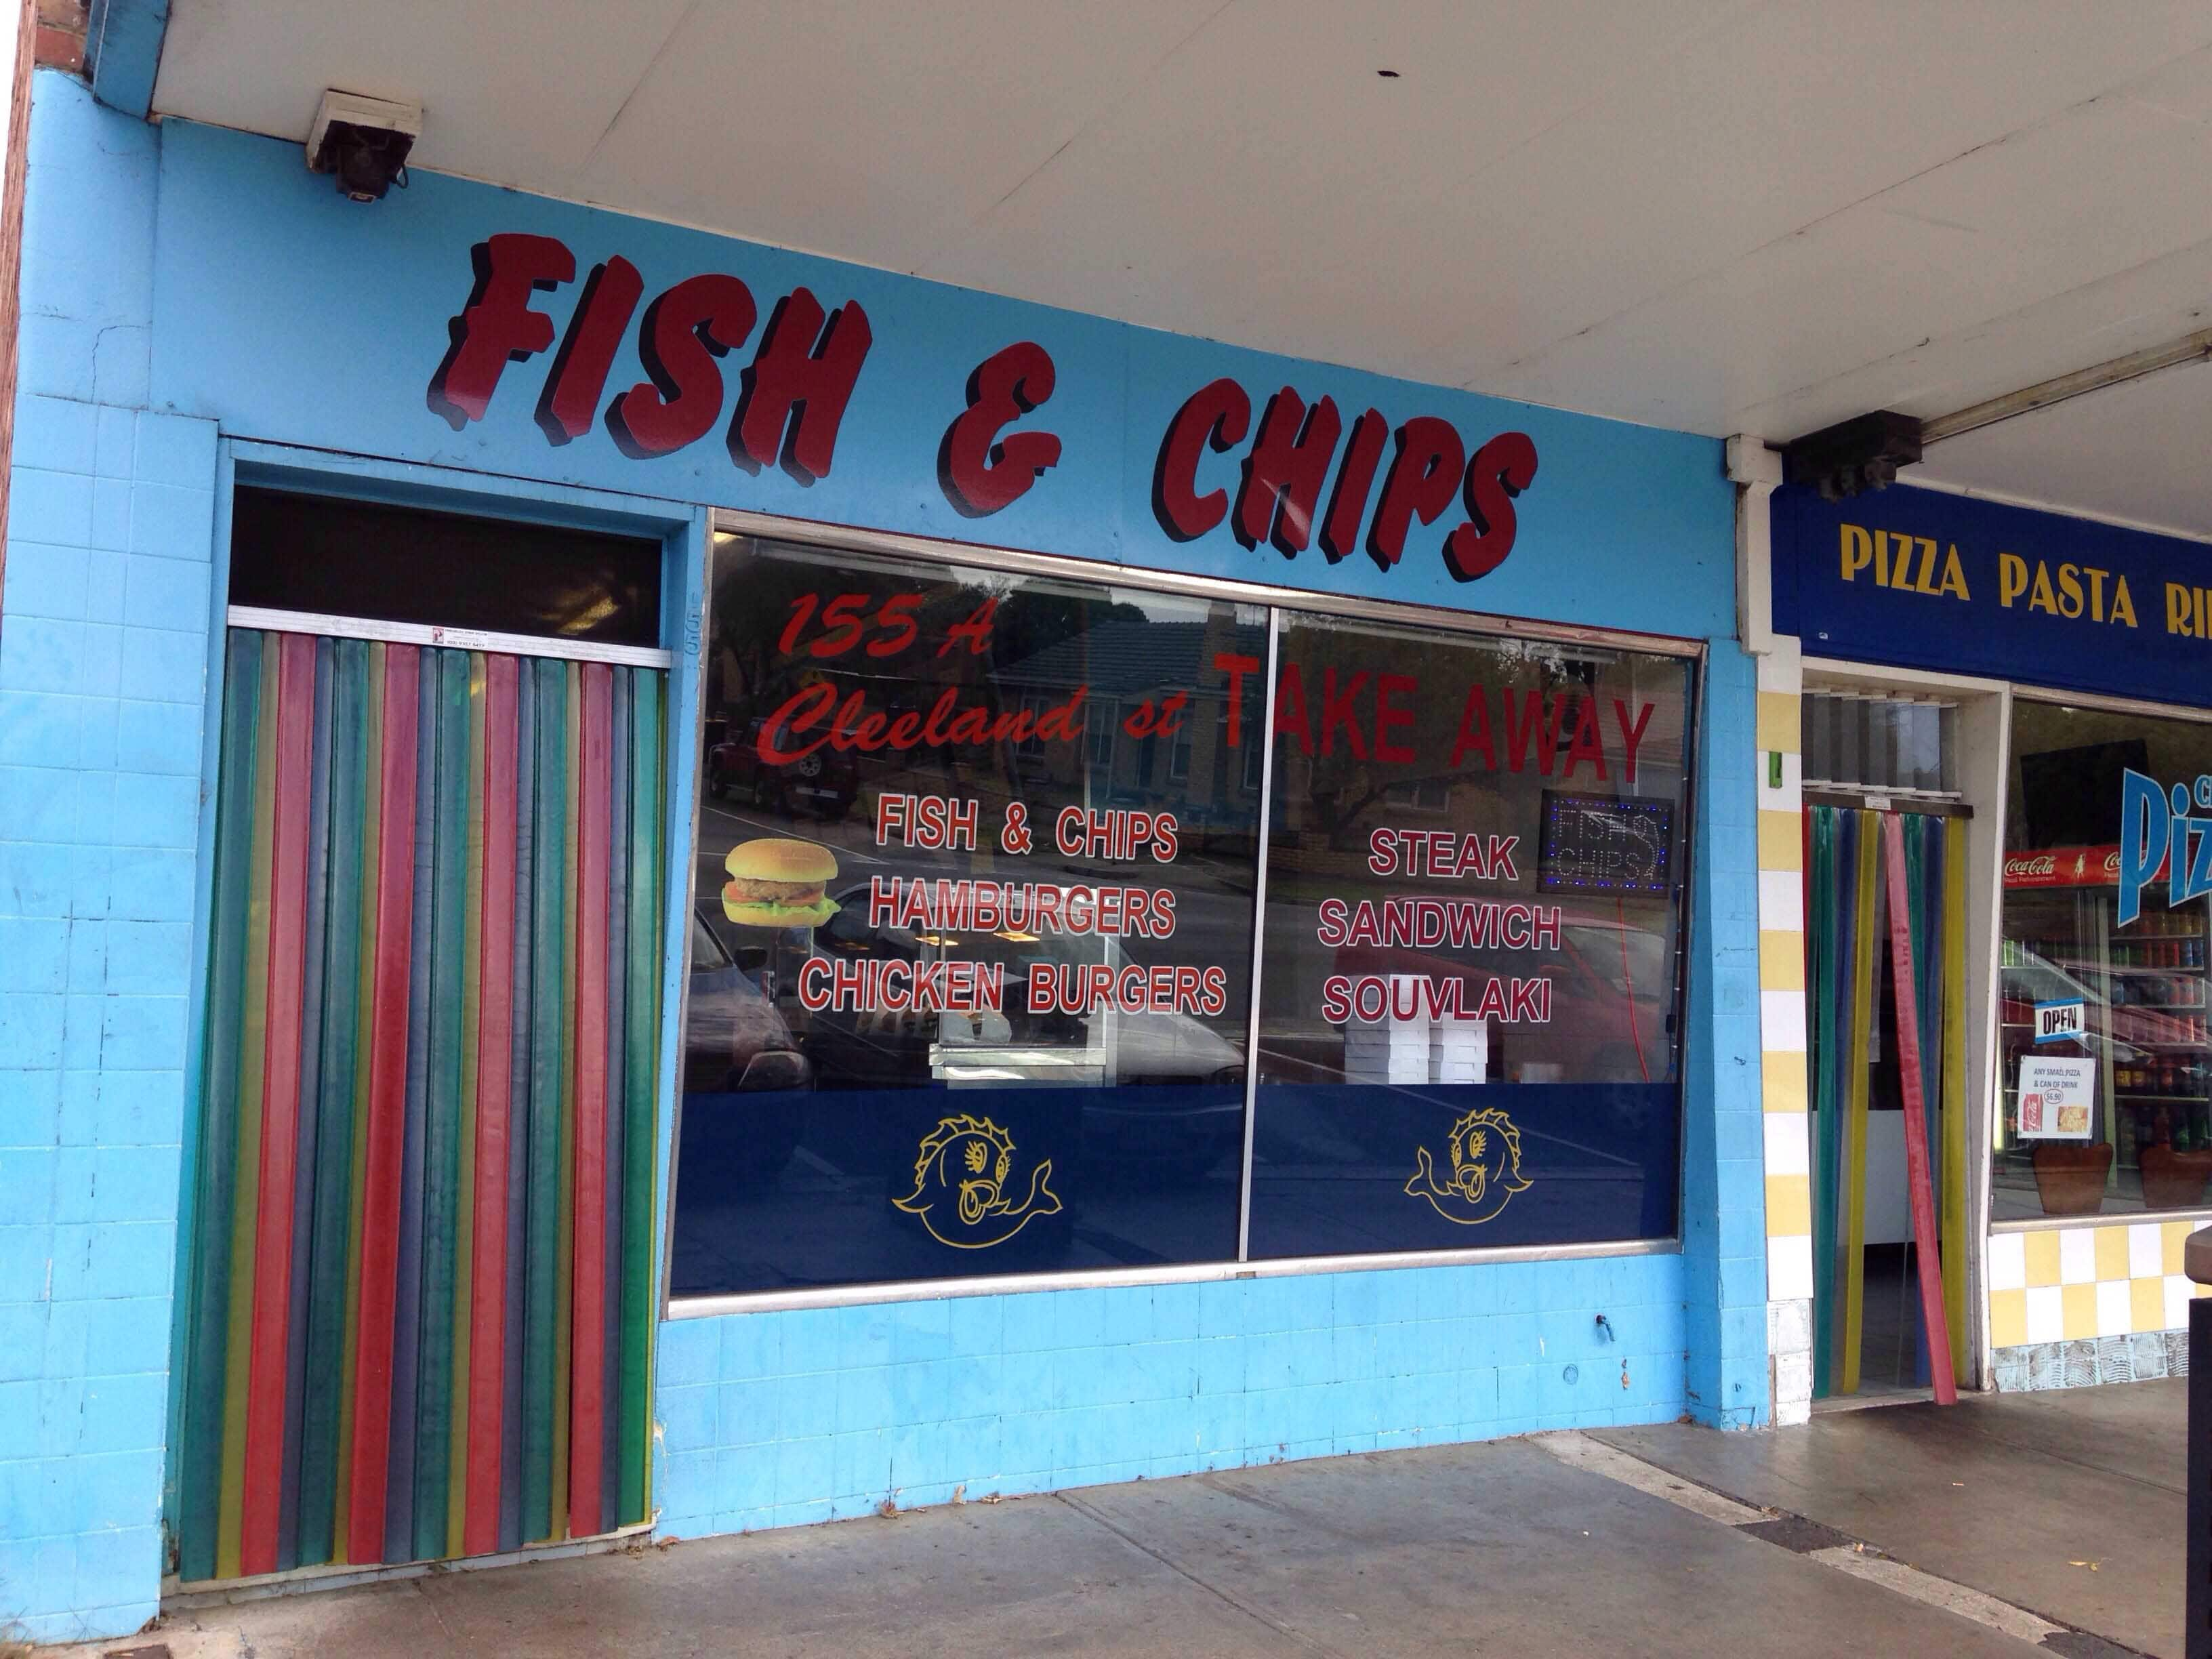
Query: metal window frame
pixel 1259 932
pixel 1195 1273
pixel 1277 601
pixel 437 633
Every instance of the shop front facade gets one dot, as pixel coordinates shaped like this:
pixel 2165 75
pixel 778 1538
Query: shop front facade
pixel 2020 693
pixel 665 885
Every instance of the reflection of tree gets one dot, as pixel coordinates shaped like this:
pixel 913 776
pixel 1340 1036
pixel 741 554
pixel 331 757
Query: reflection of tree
pixel 1335 810
pixel 752 601
pixel 1340 785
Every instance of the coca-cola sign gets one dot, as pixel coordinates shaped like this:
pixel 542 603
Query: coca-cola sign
pixel 2067 866
pixel 2064 866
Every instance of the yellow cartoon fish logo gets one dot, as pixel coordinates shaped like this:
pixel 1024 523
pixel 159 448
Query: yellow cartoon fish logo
pixel 1485 1168
pixel 960 1189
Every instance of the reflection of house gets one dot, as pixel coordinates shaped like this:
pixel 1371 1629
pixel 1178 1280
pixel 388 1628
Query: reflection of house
pixel 1531 720
pixel 1128 664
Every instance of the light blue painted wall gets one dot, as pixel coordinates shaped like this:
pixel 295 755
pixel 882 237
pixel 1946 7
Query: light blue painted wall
pixel 185 283
pixel 104 621
pixel 780 1419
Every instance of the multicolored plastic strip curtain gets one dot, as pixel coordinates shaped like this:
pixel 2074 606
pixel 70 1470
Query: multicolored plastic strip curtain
pixel 421 1294
pixel 1845 942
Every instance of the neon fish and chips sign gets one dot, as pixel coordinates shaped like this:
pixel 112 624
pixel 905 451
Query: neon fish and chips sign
pixel 2164 830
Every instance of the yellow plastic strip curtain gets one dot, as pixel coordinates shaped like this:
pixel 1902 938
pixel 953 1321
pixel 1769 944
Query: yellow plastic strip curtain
pixel 1846 941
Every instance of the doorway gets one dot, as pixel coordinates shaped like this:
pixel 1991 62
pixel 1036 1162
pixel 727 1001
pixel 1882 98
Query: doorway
pixel 1885 898
pixel 420 1298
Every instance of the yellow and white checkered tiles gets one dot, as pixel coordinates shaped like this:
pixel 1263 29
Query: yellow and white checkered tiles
pixel 1782 985
pixel 1782 1038
pixel 2062 1284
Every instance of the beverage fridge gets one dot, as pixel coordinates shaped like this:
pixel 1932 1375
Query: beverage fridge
pixel 2131 1000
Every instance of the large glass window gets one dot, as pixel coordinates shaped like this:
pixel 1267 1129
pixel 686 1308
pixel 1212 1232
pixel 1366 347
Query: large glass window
pixel 972 959
pixel 1469 1030
pixel 975 911
pixel 2105 1068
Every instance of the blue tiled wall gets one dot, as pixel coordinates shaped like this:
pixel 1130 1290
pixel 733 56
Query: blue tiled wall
pixel 103 620
pixel 779 1418
pixel 1724 1152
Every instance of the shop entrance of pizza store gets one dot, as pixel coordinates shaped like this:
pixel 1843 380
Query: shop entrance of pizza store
pixel 1886 867
pixel 420 1299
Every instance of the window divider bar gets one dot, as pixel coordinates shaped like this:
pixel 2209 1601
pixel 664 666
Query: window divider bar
pixel 1258 934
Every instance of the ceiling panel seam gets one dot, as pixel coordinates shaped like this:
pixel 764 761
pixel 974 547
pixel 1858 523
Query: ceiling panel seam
pixel 682 24
pixel 2064 113
pixel 1092 120
pixel 1905 354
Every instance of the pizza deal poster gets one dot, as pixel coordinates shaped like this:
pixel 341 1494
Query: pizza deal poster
pixel 2055 1097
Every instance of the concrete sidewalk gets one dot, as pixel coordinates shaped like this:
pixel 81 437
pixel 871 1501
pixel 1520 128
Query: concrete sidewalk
pixel 2071 1503
pixel 1559 1545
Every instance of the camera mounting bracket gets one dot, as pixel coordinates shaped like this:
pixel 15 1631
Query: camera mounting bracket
pixel 349 123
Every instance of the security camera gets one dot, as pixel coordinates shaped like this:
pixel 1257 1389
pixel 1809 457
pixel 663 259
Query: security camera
pixel 363 142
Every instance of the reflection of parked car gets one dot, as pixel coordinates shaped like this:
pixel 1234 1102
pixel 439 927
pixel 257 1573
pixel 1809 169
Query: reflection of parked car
pixel 745 1079
pixel 1227 828
pixel 1135 1051
pixel 823 782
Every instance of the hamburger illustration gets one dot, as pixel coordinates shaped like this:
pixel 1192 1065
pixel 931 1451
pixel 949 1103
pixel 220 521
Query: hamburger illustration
pixel 777 883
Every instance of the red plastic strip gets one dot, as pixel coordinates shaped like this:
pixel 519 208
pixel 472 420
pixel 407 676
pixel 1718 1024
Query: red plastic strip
pixel 495 1064
pixel 1919 1182
pixel 587 1356
pixel 386 1134
pixel 280 1123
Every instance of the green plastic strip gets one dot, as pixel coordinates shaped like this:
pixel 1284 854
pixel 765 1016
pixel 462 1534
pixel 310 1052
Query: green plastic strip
pixel 441 1148
pixel 1955 1091
pixel 633 1421
pixel 364 958
pixel 1823 917
pixel 464 1188
pixel 200 1462
pixel 548 926
pixel 252 1032
pixel 565 1191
